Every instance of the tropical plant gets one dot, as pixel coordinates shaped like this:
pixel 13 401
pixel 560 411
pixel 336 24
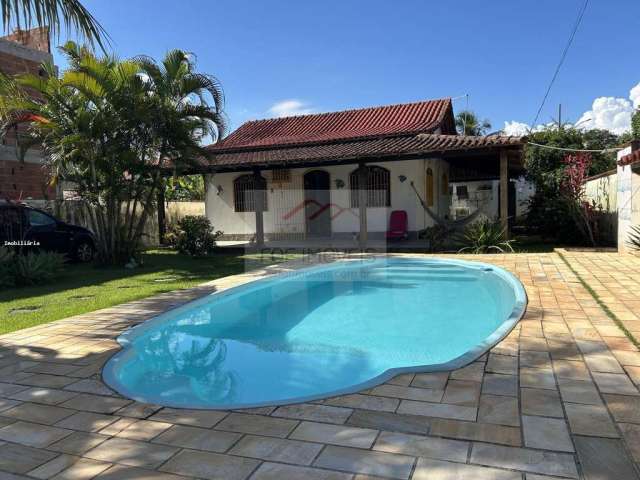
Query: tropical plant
pixel 53 13
pixel 546 168
pixel 634 238
pixel 468 123
pixel 484 236
pixel 36 267
pixel 194 236
pixel 6 263
pixel 111 127
pixel 436 236
pixel 185 188
pixel 573 193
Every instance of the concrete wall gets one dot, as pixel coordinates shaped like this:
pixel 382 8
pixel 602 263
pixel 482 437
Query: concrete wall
pixel 283 197
pixel 628 200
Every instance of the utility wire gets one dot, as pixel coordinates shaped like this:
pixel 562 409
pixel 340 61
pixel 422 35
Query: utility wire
pixel 551 147
pixel 562 58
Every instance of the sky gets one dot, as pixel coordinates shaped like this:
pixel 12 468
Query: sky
pixel 278 58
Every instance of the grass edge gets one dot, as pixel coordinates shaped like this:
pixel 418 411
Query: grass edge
pixel 600 302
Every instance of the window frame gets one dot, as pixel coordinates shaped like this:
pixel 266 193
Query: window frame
pixel 243 184
pixel 378 180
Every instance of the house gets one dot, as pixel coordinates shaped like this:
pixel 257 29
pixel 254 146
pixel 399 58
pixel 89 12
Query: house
pixel 337 176
pixel 628 189
pixel 23 51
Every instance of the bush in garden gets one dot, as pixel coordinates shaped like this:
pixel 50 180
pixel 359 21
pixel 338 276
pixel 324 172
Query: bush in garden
pixel 485 236
pixel 6 264
pixel 35 268
pixel 194 236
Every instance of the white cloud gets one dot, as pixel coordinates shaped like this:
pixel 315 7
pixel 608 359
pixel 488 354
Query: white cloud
pixel 516 129
pixel 519 129
pixel 607 113
pixel 288 108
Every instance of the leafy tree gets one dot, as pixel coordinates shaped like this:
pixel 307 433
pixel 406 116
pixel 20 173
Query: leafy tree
pixel 110 129
pixel 53 13
pixel 546 167
pixel 635 125
pixel 185 188
pixel 468 123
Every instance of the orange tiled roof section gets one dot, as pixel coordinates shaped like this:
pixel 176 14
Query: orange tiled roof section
pixel 633 157
pixel 391 120
pixel 378 148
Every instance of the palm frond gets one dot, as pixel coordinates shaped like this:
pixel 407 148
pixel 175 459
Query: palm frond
pixel 72 14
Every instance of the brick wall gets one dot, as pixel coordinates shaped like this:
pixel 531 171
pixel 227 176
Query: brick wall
pixel 22 181
pixel 23 51
pixel 35 38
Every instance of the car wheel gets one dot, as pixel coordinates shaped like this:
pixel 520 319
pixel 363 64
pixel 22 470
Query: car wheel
pixel 84 252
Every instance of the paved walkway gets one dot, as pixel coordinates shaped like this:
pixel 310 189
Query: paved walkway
pixel 550 401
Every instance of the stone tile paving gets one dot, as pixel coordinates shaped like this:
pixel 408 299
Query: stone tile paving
pixel 556 399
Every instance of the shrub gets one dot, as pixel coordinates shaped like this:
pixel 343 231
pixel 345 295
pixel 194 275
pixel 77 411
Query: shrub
pixel 6 267
pixel 634 238
pixel 194 236
pixel 436 237
pixel 485 236
pixel 34 268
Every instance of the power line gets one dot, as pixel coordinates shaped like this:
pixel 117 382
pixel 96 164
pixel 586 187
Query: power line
pixel 551 147
pixel 562 58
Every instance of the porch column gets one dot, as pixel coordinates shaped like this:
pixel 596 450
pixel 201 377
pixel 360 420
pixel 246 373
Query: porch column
pixel 162 229
pixel 504 190
pixel 259 202
pixel 362 203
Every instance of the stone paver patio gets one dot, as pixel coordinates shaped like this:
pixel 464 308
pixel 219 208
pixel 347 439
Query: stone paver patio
pixel 557 398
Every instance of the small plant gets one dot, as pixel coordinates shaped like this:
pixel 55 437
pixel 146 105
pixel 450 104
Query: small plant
pixel 485 236
pixel 35 268
pixel 6 264
pixel 634 238
pixel 436 237
pixel 194 236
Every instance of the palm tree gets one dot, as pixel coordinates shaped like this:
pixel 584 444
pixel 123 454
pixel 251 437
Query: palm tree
pixel 197 96
pixel 110 128
pixel 468 123
pixel 53 13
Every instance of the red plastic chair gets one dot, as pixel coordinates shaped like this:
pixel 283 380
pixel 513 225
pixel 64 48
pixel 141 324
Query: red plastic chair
pixel 398 226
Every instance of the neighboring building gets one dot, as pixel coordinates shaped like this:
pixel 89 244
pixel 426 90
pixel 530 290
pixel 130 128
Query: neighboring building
pixel 628 188
pixel 298 177
pixel 22 52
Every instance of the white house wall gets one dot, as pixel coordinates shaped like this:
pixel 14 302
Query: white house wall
pixel 282 198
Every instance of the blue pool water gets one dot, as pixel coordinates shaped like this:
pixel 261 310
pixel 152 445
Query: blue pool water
pixel 317 332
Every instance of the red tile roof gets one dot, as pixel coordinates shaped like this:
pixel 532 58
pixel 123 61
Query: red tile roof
pixel 371 149
pixel 390 120
pixel 633 157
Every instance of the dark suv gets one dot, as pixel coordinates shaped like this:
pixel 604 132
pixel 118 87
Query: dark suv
pixel 26 229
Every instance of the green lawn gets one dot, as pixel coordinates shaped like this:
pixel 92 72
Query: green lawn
pixel 84 288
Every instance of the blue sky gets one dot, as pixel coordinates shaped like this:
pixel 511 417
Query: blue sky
pixel 332 55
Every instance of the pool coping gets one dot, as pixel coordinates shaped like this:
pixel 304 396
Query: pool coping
pixel 125 339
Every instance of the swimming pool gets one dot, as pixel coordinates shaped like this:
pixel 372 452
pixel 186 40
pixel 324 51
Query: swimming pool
pixel 317 332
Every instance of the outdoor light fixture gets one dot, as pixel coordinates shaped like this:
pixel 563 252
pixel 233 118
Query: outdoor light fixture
pixel 339 183
pixel 402 178
pixel 219 190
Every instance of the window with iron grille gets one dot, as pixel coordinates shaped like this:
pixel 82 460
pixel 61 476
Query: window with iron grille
pixel 378 187
pixel 246 188
pixel 462 192
pixel 281 176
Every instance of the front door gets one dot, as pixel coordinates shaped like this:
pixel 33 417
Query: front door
pixel 317 198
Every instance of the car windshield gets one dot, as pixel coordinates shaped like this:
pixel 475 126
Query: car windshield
pixel 40 219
